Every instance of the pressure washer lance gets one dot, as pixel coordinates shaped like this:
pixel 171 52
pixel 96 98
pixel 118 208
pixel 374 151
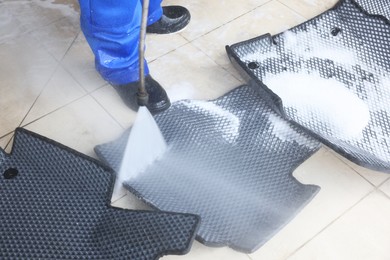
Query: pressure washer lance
pixel 142 94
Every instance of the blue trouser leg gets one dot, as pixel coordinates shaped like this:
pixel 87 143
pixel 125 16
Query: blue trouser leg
pixel 155 11
pixel 111 28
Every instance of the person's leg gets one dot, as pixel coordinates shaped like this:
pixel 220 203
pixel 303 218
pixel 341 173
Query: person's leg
pixel 167 19
pixel 111 28
pixel 155 11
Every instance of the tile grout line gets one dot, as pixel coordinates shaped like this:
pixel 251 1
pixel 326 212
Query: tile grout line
pixel 383 193
pixel 220 66
pixel 332 222
pixel 70 45
pixel 295 11
pixel 357 172
pixel 9 141
pixel 28 31
pixel 162 55
pixel 227 22
pixel 51 112
pixel 50 78
pixel 40 93
pixel 104 108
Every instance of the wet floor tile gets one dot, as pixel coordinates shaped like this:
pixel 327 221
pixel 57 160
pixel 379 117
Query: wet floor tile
pixel 80 63
pixel 340 222
pixel 199 251
pixel 209 15
pixel 385 187
pixel 272 17
pixel 341 188
pixel 309 8
pixel 81 125
pixel 187 73
pixel 61 90
pixel 25 68
pixel 159 44
pixel 375 177
pixel 6 143
pixel 112 103
pixel 362 233
pixel 10 27
pixel 129 201
pixel 57 37
pixel 34 14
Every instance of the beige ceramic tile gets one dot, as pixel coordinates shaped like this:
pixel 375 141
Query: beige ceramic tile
pixel 80 125
pixel 309 8
pixel 57 37
pixel 8 148
pixel 375 177
pixel 272 17
pixel 60 90
pixel 201 252
pixel 160 44
pixel 34 14
pixel 25 68
pixel 362 233
pixel 209 15
pixel 10 27
pixel 80 63
pixel 72 4
pixel 129 201
pixel 341 188
pixel 385 187
pixel 5 142
pixel 113 104
pixel 187 73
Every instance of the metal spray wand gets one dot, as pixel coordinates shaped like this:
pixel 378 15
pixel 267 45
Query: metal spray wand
pixel 142 95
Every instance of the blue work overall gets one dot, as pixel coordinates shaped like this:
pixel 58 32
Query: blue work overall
pixel 112 28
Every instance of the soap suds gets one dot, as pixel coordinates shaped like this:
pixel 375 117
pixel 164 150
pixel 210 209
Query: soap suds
pixel 346 108
pixel 230 130
pixel 314 99
pixel 282 130
pixel 317 44
pixel 184 90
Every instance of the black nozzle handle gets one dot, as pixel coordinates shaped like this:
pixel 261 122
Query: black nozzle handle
pixel 142 97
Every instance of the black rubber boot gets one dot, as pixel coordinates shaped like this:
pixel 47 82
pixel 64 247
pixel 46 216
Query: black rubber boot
pixel 158 98
pixel 174 19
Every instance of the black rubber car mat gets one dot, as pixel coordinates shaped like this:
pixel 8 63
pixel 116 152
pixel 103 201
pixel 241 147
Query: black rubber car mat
pixel 230 161
pixel 331 76
pixel 55 205
pixel 375 7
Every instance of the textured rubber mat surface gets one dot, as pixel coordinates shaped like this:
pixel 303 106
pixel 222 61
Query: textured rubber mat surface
pixel 375 7
pixel 331 76
pixel 55 205
pixel 229 161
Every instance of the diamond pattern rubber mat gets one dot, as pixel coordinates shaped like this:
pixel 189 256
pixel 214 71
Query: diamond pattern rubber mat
pixel 55 205
pixel 229 161
pixel 331 76
pixel 375 7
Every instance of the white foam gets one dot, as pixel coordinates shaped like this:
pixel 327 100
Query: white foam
pixel 314 43
pixel 329 101
pixel 184 90
pixel 231 130
pixel 317 99
pixel 282 130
